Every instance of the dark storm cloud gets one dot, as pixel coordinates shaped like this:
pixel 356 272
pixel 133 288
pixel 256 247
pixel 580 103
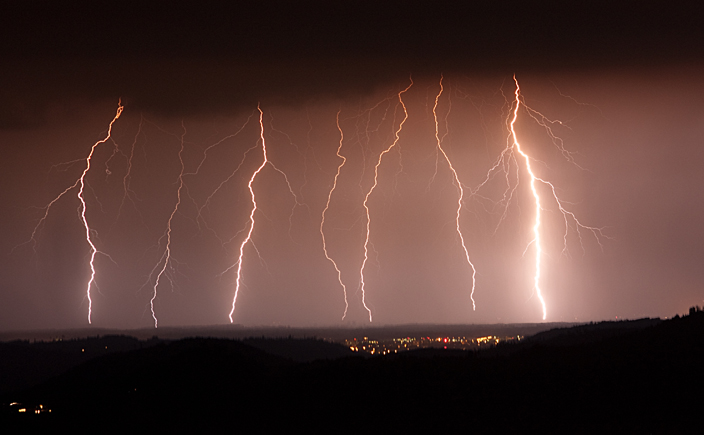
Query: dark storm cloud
pixel 198 57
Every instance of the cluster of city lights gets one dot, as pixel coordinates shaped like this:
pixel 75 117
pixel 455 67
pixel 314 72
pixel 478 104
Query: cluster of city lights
pixel 396 345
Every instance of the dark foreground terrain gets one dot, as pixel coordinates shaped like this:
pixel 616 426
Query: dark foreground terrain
pixel 640 376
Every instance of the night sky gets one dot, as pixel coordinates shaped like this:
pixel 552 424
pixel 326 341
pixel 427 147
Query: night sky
pixel 621 84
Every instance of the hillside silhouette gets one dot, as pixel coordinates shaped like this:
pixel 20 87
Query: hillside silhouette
pixel 631 376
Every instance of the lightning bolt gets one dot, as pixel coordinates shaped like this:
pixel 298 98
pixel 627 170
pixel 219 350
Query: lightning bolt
pixel 166 256
pixel 536 197
pixel 81 182
pixel 251 214
pixel 327 205
pixel 35 231
pixel 371 190
pixel 507 159
pixel 460 190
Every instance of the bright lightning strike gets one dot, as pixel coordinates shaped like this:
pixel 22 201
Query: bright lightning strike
pixel 460 197
pixel 93 249
pixel 366 197
pixel 327 205
pixel 536 196
pixel 506 161
pixel 251 214
pixel 81 181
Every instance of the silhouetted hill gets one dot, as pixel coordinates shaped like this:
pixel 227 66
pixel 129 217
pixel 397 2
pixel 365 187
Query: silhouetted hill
pixel 617 377
pixel 578 335
pixel 239 332
pixel 24 364
pixel 300 350
pixel 588 333
pixel 170 380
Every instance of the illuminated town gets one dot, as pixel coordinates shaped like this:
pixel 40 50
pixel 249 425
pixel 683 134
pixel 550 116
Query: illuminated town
pixel 20 408
pixel 395 345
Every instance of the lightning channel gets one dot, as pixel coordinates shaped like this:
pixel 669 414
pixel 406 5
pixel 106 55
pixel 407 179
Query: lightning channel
pixel 327 205
pixel 81 182
pixel 536 197
pixel 508 162
pixel 251 214
pixel 166 256
pixel 534 180
pixel 371 190
pixel 460 191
